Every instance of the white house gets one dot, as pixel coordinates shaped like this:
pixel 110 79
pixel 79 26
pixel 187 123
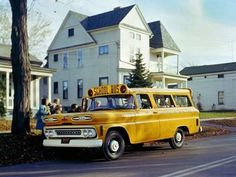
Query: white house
pixel 36 71
pixel 214 86
pixel 101 49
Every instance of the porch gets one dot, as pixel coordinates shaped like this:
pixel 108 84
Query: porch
pixel 36 74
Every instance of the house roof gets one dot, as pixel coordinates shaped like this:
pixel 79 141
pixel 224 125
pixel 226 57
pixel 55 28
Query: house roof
pixel 205 69
pixel 5 53
pixel 106 19
pixel 161 38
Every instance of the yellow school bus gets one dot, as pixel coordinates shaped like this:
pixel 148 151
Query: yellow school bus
pixel 114 116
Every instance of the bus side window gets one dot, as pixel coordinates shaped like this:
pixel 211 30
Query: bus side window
pixel 144 101
pixel 163 101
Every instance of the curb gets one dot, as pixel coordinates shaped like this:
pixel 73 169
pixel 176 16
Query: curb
pixel 221 118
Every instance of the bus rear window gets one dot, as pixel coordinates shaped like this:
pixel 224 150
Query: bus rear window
pixel 182 101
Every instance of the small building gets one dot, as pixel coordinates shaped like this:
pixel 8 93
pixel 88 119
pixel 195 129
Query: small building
pixel 37 72
pixel 101 49
pixel 214 86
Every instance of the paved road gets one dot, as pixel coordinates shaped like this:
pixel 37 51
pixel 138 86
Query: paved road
pixel 213 156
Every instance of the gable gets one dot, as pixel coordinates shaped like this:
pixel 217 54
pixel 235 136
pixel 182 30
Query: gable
pixel 136 20
pixel 81 36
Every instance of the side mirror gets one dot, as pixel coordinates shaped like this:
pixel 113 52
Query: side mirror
pixel 84 104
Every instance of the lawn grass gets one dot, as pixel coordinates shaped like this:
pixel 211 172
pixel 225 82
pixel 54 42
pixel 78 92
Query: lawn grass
pixel 208 115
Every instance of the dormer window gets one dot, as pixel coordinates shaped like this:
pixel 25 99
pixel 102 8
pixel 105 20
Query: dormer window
pixel 103 50
pixel 70 32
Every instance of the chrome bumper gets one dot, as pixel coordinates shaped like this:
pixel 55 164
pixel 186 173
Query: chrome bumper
pixel 88 143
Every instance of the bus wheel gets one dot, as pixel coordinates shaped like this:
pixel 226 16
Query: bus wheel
pixel 178 140
pixel 114 145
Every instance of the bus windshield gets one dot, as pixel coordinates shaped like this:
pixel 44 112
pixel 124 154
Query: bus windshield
pixel 111 102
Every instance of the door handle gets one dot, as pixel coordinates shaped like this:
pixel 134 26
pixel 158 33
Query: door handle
pixel 155 112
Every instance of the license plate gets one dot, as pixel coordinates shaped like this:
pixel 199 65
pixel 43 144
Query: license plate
pixel 65 140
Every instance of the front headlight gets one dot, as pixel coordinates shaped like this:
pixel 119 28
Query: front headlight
pixel 89 133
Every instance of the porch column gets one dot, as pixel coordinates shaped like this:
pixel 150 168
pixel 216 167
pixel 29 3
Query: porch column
pixel 37 92
pixel 7 88
pixel 163 82
pixel 185 84
pixel 49 88
pixel 177 64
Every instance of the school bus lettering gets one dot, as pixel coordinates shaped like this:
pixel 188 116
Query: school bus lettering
pixel 114 115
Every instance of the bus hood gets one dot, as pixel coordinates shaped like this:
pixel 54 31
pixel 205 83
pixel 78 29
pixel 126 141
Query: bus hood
pixel 89 118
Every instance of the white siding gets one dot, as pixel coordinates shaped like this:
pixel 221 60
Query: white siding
pixel 133 19
pixel 126 43
pixel 62 40
pixel 94 66
pixel 208 89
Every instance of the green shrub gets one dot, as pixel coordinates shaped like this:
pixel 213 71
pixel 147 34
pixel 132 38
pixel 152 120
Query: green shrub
pixel 2 109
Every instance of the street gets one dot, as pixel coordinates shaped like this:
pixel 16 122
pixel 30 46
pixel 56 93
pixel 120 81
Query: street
pixel 212 156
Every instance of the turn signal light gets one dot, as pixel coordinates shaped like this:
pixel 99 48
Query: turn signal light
pixel 90 92
pixel 123 89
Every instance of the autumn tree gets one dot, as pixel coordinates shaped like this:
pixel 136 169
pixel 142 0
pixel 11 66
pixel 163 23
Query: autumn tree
pixel 38 29
pixel 140 76
pixel 20 67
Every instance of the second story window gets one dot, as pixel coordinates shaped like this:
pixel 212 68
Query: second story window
pixel 138 37
pixel 55 57
pixel 103 50
pixel 132 35
pixel 131 55
pixel 65 60
pixel 80 58
pixel 55 87
pixel 70 32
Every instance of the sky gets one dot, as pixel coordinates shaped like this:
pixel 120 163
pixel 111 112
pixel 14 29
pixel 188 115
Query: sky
pixel 204 30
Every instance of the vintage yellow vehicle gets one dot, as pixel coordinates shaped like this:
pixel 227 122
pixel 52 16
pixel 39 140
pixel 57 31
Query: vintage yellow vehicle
pixel 114 116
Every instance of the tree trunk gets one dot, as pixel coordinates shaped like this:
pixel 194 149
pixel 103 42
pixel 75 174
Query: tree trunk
pixel 20 67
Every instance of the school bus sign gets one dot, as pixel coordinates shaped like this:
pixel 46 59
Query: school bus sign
pixel 108 89
pixel 115 116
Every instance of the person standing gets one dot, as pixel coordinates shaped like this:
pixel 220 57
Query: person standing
pixel 44 110
pixel 54 108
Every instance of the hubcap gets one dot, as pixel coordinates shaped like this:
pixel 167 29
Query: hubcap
pixel 114 146
pixel 178 137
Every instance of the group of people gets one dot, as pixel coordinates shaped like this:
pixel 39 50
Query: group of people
pixel 47 108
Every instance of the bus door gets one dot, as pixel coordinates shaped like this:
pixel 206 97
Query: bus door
pixel 146 119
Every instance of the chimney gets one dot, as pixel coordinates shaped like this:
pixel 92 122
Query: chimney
pixel 117 8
